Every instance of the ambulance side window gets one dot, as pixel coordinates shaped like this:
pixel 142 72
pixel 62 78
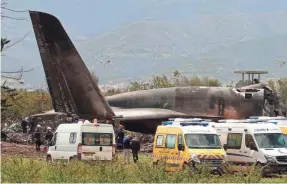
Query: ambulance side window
pixel 73 138
pixel 234 140
pixel 248 140
pixel 170 141
pixel 159 141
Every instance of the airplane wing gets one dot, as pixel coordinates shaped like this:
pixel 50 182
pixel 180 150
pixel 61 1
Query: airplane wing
pixel 146 120
pixel 154 113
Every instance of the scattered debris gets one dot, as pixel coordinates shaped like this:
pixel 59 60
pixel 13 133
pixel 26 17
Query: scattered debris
pixel 273 105
pixel 146 142
pixel 19 138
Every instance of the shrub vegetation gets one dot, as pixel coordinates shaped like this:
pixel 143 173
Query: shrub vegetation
pixel 27 170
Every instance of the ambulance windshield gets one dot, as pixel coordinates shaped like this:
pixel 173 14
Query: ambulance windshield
pixel 271 140
pixel 202 141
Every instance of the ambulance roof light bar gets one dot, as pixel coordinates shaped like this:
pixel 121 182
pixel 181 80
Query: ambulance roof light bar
pixel 185 123
pixel 273 118
pixel 274 122
pixel 186 119
pixel 268 117
pixel 231 121
pixel 167 123
pixel 194 123
pixel 254 121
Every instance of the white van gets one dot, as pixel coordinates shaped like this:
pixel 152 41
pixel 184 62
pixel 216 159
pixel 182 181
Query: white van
pixel 85 141
pixel 280 121
pixel 249 143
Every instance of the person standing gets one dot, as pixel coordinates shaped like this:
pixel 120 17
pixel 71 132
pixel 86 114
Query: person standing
pixel 37 136
pixel 120 137
pixel 135 146
pixel 33 124
pixel 24 124
pixel 127 147
pixel 49 136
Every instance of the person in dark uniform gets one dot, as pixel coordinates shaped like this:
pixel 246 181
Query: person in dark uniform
pixel 135 146
pixel 24 124
pixel 37 137
pixel 120 137
pixel 33 124
pixel 49 136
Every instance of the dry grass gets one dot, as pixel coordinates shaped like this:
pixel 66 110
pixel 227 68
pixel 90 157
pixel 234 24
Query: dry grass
pixel 25 170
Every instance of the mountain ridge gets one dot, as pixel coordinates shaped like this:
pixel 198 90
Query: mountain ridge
pixel 203 45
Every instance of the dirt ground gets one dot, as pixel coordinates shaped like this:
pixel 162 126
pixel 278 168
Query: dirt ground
pixel 21 150
pixel 28 150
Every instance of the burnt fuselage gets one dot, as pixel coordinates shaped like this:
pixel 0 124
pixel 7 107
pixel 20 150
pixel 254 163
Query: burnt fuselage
pixel 195 101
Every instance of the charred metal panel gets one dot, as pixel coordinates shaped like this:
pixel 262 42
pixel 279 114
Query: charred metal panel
pixel 191 100
pixel 221 106
pixel 71 85
pixel 194 101
pixel 52 71
pixel 154 98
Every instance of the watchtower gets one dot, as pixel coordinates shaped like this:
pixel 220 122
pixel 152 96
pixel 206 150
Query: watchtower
pixel 250 73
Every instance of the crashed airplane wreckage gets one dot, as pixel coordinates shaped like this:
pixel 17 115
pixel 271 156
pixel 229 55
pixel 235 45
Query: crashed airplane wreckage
pixel 74 91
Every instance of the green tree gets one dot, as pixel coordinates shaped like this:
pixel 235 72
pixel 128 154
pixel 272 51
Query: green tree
pixel 283 89
pixel 280 86
pixel 30 103
pixel 9 94
pixel 111 92
pixel 177 80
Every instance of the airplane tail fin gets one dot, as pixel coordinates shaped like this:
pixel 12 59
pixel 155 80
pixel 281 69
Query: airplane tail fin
pixel 72 87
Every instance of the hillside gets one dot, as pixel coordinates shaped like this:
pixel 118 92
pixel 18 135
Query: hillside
pixel 211 45
pixel 204 45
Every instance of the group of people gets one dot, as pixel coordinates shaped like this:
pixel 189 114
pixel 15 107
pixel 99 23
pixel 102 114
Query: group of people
pixel 36 131
pixel 38 137
pixel 128 144
pixel 29 122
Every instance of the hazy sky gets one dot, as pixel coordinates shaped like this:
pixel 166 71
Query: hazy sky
pixel 92 17
pixel 89 18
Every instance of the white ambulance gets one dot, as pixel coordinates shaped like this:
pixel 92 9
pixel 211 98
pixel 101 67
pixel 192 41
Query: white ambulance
pixel 280 121
pixel 83 140
pixel 249 143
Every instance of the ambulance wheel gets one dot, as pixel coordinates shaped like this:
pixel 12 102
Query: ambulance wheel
pixel 265 170
pixel 49 158
pixel 220 171
pixel 259 164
